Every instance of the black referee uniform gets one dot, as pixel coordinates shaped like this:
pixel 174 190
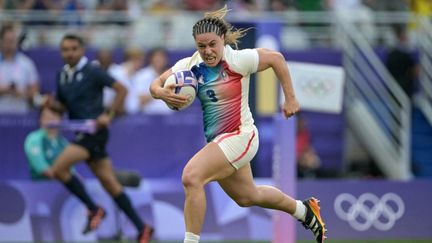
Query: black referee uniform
pixel 81 91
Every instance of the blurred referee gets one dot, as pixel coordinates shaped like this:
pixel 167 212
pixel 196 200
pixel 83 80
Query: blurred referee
pixel 79 92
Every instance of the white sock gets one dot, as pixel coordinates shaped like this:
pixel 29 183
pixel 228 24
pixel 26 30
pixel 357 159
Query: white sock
pixel 300 212
pixel 191 238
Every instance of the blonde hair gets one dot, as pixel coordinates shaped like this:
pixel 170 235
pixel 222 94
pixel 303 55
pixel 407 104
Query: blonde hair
pixel 215 22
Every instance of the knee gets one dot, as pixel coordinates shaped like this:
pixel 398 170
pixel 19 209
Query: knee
pixel 191 179
pixel 60 174
pixel 244 201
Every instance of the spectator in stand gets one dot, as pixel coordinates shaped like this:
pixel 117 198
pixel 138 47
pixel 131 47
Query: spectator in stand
pixel 420 9
pixel 52 8
pixel 125 73
pixel 203 5
pixel 19 79
pixel 385 5
pixel 105 60
pixel 310 5
pixel 160 6
pixel 401 62
pixel 16 5
pixel 243 8
pixel 308 161
pixel 277 5
pixel 116 11
pixel 157 65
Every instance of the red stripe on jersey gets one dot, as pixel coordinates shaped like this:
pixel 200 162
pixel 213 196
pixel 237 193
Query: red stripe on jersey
pixel 227 136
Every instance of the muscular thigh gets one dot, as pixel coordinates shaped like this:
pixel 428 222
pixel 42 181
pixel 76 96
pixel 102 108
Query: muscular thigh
pixel 209 164
pixel 70 155
pixel 240 184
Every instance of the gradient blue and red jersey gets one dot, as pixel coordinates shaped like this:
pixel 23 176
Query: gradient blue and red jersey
pixel 224 90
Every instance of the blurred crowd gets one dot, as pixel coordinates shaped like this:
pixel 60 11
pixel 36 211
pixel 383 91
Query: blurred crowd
pixel 19 78
pixel 133 7
pixel 143 16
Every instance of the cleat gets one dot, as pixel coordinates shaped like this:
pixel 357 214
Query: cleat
pixel 94 219
pixel 145 235
pixel 313 220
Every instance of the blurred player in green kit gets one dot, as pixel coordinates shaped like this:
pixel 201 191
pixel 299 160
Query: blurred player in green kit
pixel 43 145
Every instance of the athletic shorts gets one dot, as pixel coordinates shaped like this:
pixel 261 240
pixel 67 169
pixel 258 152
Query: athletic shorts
pixel 239 147
pixel 95 144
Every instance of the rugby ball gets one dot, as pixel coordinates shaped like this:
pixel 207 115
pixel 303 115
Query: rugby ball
pixel 187 85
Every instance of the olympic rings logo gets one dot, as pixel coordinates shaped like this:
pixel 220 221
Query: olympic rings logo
pixel 369 210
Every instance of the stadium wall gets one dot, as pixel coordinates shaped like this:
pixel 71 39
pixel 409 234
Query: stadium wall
pixel 359 210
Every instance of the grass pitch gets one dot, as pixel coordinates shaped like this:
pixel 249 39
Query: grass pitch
pixel 327 241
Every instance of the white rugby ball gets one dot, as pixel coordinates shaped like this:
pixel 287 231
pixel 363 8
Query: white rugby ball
pixel 188 86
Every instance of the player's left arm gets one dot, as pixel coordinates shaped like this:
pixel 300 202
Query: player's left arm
pixel 276 61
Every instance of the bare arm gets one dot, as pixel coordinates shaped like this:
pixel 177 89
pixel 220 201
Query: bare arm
pixel 32 90
pixel 156 86
pixel 121 93
pixel 275 60
pixel 104 119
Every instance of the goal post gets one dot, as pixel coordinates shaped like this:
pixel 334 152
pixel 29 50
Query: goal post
pixel 284 175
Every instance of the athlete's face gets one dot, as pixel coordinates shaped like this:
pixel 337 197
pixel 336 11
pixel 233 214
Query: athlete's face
pixel 210 47
pixel 71 51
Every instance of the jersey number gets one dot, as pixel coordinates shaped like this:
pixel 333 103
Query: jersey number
pixel 212 95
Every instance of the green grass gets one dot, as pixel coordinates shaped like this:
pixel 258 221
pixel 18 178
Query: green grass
pixel 327 241
pixel 371 241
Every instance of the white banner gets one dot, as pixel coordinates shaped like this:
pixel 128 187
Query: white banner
pixel 317 87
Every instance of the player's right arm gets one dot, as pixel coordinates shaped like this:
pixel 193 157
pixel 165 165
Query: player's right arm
pixel 34 151
pixel 158 91
pixel 276 61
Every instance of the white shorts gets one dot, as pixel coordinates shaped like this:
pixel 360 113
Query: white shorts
pixel 239 147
